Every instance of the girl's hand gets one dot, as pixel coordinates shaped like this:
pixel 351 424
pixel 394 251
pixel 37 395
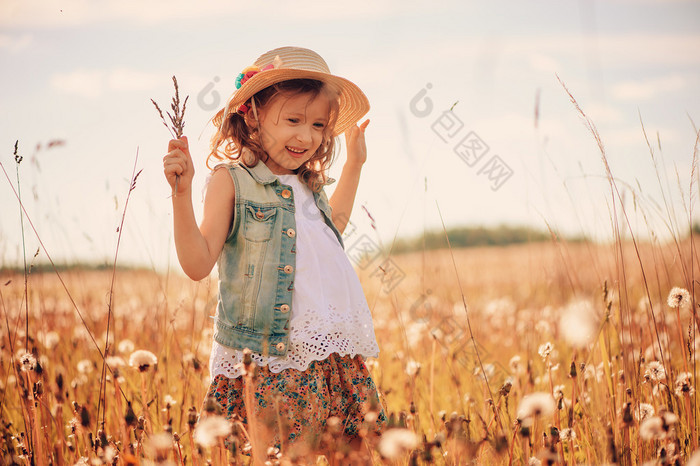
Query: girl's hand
pixel 355 141
pixel 178 167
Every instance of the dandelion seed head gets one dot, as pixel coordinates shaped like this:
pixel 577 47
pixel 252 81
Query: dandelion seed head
pixel 678 298
pixel 395 442
pixel 669 418
pixel 85 366
pixel 142 360
pixel 543 327
pixel 412 368
pixel 115 361
pixel 567 434
pixel 159 444
pixel 655 371
pixel 169 401
pixel 489 371
pixel 51 339
pixel 126 346
pixel 516 365
pixel 684 384
pixel 210 429
pixel 27 362
pixel 578 323
pixel 694 459
pixel 535 405
pixel 545 350
pixel 652 429
pixel 645 411
pixel 558 392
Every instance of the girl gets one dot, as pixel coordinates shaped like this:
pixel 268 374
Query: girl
pixel 287 291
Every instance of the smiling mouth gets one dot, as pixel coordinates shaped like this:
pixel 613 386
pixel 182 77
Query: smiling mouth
pixel 294 152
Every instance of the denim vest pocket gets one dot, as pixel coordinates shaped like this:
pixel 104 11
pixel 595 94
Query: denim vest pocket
pixel 259 222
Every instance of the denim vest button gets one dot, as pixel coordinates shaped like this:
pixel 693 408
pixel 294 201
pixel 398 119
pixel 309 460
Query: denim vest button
pixel 291 232
pixel 280 346
pixel 288 269
pixel 284 308
pixel 259 214
pixel 286 193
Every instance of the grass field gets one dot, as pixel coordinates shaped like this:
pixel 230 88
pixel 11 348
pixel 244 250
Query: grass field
pixel 586 358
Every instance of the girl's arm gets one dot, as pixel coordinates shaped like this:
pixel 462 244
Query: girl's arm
pixel 198 248
pixel 343 197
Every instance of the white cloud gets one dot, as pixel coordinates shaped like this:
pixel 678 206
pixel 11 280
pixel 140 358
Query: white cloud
pixel 69 13
pixel 602 113
pixel 648 88
pixel 612 50
pixel 15 43
pixel 85 83
pixel 94 83
pixel 123 79
pixel 544 63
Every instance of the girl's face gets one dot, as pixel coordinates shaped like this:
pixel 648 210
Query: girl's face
pixel 292 130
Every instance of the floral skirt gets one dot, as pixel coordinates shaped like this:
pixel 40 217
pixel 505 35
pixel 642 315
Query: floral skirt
pixel 296 405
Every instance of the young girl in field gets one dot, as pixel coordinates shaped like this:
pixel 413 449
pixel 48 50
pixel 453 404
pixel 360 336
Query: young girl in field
pixel 287 291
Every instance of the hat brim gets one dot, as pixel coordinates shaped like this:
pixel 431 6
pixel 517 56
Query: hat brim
pixel 352 102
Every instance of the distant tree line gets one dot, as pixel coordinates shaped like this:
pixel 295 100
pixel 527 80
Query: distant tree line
pixel 464 237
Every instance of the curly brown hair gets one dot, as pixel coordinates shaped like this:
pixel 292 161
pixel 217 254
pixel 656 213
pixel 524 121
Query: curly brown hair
pixel 234 133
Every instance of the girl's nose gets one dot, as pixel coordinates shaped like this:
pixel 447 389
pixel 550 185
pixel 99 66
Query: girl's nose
pixel 304 134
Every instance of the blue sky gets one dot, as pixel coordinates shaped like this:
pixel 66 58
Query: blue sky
pixel 84 72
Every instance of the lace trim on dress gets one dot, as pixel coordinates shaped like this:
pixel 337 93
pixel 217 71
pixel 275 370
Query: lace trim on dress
pixel 313 337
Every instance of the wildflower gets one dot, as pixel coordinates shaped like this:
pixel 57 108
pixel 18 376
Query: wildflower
pixel 545 350
pixel 412 368
pixel 126 346
pixel 678 298
pixel 211 429
pixel 85 366
pixel 28 361
pixel 683 384
pixel 644 411
pixel 577 323
pixel 535 405
pixel 142 359
pixel 396 441
pixel 655 371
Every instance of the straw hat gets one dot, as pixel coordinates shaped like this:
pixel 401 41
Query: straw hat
pixel 287 63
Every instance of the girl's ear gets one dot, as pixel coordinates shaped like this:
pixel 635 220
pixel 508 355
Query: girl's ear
pixel 250 120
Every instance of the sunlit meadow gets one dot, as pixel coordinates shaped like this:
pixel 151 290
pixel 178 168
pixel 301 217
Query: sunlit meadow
pixel 584 363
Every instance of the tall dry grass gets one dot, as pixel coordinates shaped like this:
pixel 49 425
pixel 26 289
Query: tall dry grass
pixel 518 300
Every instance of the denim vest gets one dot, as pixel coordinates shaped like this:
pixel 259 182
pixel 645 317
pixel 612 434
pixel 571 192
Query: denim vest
pixel 258 261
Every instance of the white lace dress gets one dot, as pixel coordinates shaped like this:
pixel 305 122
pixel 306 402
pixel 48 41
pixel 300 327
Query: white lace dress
pixel 329 310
